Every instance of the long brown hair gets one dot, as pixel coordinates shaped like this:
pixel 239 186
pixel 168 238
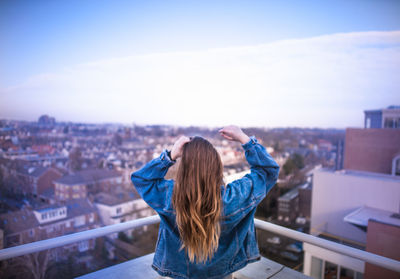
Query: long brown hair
pixel 197 199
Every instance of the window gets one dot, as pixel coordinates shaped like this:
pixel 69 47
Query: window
pixel 316 268
pixel 119 210
pixel 32 233
pixel 50 229
pixel 392 122
pixel 331 270
pixel 368 124
pixel 83 246
pixel 346 273
pixel 91 217
pixel 80 221
pixel 44 216
pixel 396 165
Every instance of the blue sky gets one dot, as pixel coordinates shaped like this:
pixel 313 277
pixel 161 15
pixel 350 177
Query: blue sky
pixel 131 61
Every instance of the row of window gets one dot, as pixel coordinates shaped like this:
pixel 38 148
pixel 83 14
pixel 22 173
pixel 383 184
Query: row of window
pixel 75 188
pixel 323 269
pixel 73 196
pixel 53 214
pixel 391 122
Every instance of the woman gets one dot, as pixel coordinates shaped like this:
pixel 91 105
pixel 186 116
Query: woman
pixel 207 229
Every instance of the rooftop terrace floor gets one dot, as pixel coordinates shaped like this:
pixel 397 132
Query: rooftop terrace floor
pixel 141 268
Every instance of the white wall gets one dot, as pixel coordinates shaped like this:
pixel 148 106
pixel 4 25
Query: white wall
pixel 336 194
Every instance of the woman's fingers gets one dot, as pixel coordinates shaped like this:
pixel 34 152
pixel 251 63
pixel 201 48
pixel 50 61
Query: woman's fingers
pixel 176 151
pixel 225 135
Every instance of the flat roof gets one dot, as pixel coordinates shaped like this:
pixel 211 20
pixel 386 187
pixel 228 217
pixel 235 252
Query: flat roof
pixel 367 174
pixel 360 216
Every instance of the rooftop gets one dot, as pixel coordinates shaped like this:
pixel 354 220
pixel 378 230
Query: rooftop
pixel 361 216
pixel 115 198
pixel 375 175
pixel 87 176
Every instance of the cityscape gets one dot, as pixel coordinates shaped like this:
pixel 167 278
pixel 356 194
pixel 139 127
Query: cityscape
pixel 63 178
pixel 91 91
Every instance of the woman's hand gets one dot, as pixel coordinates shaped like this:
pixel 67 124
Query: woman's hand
pixel 234 133
pixel 176 150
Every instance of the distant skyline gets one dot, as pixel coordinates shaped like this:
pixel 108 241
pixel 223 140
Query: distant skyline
pixel 208 63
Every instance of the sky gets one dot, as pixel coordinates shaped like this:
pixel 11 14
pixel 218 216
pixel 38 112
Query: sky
pixel 207 63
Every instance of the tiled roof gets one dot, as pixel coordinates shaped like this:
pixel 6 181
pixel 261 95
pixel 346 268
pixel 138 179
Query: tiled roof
pixel 77 207
pixel 18 221
pixel 87 176
pixel 30 170
pixel 112 199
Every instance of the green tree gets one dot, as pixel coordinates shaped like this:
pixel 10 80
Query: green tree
pixel 293 164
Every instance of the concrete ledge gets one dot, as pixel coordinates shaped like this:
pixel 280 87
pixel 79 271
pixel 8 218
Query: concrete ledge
pixel 141 268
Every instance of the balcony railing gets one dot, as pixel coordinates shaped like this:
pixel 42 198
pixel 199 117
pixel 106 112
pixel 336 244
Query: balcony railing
pixel 37 246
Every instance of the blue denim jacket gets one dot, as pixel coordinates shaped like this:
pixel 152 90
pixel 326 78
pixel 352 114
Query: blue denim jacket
pixel 237 243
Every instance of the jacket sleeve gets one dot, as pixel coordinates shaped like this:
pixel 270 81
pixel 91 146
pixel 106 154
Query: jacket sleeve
pixel 150 183
pixel 243 195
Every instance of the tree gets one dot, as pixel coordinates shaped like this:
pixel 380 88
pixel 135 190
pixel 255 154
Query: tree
pixel 32 265
pixel 298 161
pixel 293 164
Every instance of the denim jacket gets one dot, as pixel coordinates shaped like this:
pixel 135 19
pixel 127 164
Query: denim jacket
pixel 237 243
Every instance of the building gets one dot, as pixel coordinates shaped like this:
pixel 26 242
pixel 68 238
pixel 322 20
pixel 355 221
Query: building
pixel 335 195
pixel 382 239
pixel 373 150
pixel 46 120
pixel 29 225
pixel 28 179
pixel 38 179
pixel 305 192
pixel 288 206
pixel 295 203
pixel 80 183
pixel 382 118
pixel 359 205
pixel 120 207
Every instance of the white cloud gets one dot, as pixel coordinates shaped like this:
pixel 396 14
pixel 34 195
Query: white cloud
pixel 322 81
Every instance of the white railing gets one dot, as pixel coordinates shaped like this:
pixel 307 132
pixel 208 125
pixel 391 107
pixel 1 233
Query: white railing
pixel 94 233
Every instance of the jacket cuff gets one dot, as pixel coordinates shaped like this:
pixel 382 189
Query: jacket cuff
pixel 253 141
pixel 165 159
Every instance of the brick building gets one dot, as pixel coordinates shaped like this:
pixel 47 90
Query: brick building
pixel 29 225
pixel 374 150
pixel 80 183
